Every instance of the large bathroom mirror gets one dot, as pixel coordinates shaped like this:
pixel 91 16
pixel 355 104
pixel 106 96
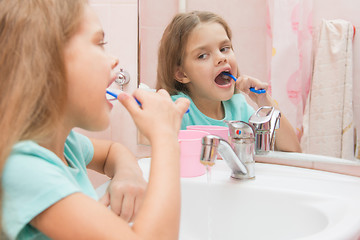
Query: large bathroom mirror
pixel 277 41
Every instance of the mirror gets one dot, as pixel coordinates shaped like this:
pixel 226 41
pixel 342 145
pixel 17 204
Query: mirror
pixel 257 40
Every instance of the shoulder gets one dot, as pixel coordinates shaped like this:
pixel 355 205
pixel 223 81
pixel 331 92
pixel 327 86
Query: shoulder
pixel 180 95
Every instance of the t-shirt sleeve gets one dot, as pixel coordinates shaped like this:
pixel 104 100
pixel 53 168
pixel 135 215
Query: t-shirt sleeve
pixel 79 145
pixel 22 177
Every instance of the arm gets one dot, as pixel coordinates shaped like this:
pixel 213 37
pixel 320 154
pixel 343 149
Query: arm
pixel 127 187
pixel 286 139
pixel 80 217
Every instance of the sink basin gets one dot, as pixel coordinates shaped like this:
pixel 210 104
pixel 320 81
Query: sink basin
pixel 282 202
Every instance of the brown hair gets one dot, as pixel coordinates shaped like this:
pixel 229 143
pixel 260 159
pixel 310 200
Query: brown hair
pixel 173 44
pixel 33 85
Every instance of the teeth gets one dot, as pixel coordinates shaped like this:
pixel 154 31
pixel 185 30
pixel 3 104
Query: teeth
pixel 225 77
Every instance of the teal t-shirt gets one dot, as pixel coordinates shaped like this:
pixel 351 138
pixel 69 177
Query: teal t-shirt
pixel 34 178
pixel 235 108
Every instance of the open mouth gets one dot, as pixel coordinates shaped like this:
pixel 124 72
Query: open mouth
pixel 222 79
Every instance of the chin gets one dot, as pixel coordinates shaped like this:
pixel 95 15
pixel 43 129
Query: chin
pixel 227 96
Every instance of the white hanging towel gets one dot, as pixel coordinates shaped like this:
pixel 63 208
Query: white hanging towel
pixel 328 119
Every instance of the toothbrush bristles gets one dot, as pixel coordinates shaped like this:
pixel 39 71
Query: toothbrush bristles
pixel 230 75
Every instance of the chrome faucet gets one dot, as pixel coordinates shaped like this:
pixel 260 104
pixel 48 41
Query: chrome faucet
pixel 265 121
pixel 241 158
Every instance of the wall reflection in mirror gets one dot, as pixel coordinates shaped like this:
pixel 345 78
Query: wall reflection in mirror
pixel 306 50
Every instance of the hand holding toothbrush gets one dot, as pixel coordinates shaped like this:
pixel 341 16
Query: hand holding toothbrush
pixel 158 115
pixel 254 88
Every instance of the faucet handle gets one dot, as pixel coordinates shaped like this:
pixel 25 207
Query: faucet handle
pixel 240 130
pixel 261 119
pixel 275 124
pixel 275 119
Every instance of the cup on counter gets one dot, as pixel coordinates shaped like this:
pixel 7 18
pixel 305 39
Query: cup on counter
pixel 190 150
pixel 220 131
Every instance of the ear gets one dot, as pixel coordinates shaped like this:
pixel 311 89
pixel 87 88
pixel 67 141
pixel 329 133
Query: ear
pixel 180 76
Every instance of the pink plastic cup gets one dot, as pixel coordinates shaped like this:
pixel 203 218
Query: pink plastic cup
pixel 220 131
pixel 190 150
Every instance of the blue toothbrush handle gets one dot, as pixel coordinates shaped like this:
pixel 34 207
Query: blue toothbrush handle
pixel 138 102
pixel 116 95
pixel 259 91
pixel 251 89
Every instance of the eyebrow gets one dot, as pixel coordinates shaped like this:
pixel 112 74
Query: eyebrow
pixel 204 47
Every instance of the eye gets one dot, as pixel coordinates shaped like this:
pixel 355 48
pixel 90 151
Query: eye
pixel 202 56
pixel 225 49
pixel 102 43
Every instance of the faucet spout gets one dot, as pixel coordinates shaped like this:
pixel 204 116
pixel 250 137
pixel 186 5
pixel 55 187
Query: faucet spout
pixel 211 145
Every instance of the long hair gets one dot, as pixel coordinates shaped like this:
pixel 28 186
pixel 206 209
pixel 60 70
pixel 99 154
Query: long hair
pixel 33 34
pixel 173 44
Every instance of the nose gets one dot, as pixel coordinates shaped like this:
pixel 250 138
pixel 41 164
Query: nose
pixel 220 58
pixel 114 62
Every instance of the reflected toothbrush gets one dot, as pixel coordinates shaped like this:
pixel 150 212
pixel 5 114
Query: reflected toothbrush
pixel 138 102
pixel 259 91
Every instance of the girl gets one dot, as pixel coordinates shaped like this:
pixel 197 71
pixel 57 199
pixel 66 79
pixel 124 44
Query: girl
pixel 194 52
pixel 54 74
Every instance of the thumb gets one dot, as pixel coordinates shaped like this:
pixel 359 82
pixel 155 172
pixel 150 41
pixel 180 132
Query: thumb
pixel 105 200
pixel 183 104
pixel 128 102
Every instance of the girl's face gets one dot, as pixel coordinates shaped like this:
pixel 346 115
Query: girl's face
pixel 88 70
pixel 207 54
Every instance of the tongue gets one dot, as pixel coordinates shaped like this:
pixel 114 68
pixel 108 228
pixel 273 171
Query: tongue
pixel 222 79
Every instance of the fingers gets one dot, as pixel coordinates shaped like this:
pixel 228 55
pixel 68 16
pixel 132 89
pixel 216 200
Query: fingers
pixel 182 104
pixel 105 200
pixel 247 82
pixel 122 205
pixel 116 202
pixel 128 102
pixel 127 208
pixel 163 92
pixel 138 202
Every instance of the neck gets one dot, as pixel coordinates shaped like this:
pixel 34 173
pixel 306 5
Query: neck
pixel 56 142
pixel 212 109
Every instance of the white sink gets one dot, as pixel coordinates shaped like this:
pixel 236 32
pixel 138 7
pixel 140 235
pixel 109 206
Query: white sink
pixel 282 202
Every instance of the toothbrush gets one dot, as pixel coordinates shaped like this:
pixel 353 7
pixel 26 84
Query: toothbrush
pixel 259 91
pixel 116 95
